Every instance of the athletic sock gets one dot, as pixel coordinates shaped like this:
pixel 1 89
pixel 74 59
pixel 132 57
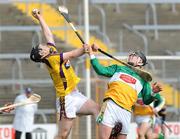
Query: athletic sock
pixel 161 136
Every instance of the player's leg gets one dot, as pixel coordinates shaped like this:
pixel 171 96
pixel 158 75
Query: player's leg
pixel 83 105
pixel 18 134
pixel 143 128
pixel 114 114
pixel 144 123
pixel 28 135
pixel 104 131
pixel 151 134
pixel 163 130
pixel 125 118
pixel 122 136
pixel 155 131
pixel 64 128
pixel 65 123
pixel 89 108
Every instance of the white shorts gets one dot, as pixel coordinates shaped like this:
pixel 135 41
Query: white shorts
pixel 143 119
pixel 113 114
pixel 158 120
pixel 73 103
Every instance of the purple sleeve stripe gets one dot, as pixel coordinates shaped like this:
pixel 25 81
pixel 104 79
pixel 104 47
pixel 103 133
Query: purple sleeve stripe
pixel 51 44
pixel 62 73
pixel 61 58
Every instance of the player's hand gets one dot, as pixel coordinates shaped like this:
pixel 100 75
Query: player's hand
pixel 9 109
pixel 87 49
pixel 94 47
pixel 156 87
pixel 36 13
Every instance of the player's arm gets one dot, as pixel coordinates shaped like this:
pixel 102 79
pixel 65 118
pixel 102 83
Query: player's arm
pixel 45 29
pixel 100 69
pixel 158 103
pixel 73 54
pixel 149 93
pixel 163 113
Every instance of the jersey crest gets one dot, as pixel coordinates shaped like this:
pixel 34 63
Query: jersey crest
pixel 67 64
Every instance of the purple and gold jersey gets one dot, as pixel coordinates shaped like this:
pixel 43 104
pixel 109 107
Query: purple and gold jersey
pixel 61 72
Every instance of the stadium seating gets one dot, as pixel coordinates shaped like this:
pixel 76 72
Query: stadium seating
pixel 19 14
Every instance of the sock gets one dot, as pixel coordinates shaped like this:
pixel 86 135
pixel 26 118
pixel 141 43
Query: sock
pixel 160 136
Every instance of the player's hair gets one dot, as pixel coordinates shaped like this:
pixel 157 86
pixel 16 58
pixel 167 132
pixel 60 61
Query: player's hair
pixel 142 56
pixel 34 55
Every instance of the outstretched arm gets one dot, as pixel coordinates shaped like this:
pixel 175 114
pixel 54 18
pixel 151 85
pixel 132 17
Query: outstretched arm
pixel 45 29
pixel 76 52
pixel 73 54
pixel 100 69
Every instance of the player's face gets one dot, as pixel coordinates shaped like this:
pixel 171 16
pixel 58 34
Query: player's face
pixel 43 50
pixel 28 95
pixel 134 60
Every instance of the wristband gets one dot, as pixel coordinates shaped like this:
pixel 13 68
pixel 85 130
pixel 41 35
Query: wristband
pixel 92 56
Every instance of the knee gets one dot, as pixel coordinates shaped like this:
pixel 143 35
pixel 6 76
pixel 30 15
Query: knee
pixel 149 136
pixel 63 135
pixel 60 137
pixel 141 134
pixel 103 136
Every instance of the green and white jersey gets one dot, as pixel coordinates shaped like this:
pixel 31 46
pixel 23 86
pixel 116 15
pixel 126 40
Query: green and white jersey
pixel 124 85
